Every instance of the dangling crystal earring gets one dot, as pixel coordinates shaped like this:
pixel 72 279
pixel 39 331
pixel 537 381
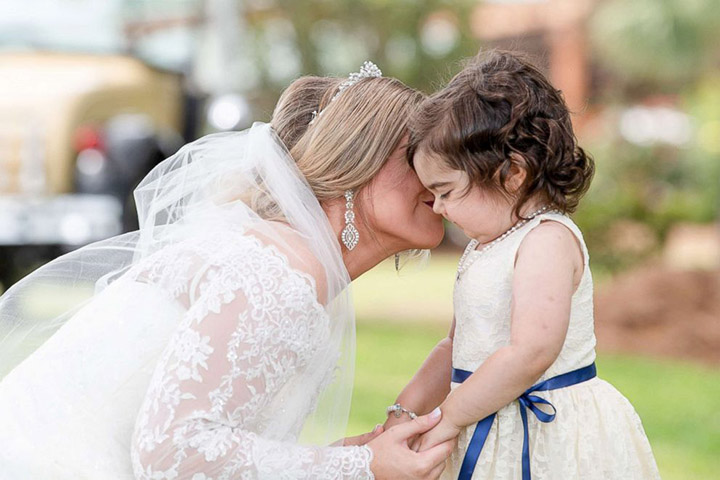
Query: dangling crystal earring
pixel 350 235
pixel 397 262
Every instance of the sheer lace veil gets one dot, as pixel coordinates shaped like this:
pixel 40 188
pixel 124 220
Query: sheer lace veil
pixel 242 182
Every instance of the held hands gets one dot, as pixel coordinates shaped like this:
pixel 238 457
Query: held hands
pixel 443 432
pixel 393 458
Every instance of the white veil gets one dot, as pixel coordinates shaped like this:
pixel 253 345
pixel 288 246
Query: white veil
pixel 236 182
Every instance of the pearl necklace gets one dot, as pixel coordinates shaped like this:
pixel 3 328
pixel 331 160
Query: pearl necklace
pixel 463 265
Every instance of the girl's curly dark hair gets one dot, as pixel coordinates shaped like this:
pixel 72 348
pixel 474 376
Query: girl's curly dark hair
pixel 499 111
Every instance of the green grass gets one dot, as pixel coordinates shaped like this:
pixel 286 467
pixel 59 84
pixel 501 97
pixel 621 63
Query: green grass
pixel 387 357
pixel 401 317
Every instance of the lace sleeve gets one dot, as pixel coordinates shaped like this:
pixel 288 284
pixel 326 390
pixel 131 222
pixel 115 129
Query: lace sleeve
pixel 251 326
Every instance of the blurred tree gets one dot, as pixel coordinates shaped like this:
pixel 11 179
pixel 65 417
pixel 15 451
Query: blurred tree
pixel 418 42
pixel 657 45
pixel 658 56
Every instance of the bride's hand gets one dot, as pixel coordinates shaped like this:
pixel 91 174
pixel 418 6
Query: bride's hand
pixel 362 439
pixel 393 459
pixel 392 420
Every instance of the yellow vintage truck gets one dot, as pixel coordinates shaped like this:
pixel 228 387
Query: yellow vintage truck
pixel 77 132
pixel 92 96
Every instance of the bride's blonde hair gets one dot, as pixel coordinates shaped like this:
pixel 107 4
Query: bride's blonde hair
pixel 349 142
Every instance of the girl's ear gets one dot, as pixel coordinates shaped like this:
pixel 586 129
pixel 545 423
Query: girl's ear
pixel 516 174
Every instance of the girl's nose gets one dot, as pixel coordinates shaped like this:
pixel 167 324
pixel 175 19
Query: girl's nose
pixel 437 206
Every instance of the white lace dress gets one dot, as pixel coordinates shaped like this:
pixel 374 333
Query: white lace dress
pixel 596 433
pixel 243 335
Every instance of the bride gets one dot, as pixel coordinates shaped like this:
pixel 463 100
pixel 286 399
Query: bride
pixel 217 341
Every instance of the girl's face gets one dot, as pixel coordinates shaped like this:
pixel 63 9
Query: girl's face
pixel 399 209
pixel 481 214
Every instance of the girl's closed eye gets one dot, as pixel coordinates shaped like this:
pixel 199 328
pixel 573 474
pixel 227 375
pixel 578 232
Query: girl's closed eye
pixel 445 195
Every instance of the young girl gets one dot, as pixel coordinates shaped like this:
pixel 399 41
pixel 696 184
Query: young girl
pixel 497 149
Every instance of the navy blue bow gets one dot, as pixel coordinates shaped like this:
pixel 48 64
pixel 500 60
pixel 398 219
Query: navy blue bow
pixel 527 401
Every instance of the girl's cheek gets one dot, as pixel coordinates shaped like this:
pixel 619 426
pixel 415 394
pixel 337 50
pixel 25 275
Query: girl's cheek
pixel 448 214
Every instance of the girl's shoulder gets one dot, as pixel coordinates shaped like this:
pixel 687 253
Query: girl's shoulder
pixel 552 230
pixel 552 234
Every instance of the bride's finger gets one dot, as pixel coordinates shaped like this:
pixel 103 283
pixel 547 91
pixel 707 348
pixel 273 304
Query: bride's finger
pixel 420 425
pixel 413 443
pixel 417 443
pixel 437 471
pixel 364 438
pixel 439 453
pixel 376 431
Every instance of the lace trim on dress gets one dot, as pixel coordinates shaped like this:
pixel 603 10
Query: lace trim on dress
pixel 252 326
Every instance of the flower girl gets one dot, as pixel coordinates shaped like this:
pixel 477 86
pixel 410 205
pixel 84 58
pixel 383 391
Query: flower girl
pixel 497 149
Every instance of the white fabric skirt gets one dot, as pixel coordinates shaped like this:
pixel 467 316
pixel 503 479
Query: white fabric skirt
pixel 596 435
pixel 63 401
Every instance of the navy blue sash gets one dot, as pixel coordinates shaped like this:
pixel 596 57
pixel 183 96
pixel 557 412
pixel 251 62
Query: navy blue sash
pixel 526 400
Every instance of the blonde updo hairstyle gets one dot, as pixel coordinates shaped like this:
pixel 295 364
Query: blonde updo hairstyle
pixel 353 136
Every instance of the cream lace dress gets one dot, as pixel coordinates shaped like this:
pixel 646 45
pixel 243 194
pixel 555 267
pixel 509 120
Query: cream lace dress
pixel 243 337
pixel 596 433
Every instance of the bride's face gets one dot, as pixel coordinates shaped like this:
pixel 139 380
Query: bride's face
pixel 399 209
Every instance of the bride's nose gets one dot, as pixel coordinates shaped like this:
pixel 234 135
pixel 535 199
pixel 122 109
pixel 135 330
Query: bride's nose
pixel 427 198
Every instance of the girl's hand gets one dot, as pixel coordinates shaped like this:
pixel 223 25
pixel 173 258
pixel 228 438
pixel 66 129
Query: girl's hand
pixel 443 432
pixel 394 460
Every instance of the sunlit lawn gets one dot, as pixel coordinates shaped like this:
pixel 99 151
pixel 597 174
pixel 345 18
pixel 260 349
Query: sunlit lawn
pixel 679 403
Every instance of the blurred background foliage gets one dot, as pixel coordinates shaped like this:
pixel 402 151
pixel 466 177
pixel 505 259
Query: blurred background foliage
pixel 664 168
pixel 656 45
pixel 419 42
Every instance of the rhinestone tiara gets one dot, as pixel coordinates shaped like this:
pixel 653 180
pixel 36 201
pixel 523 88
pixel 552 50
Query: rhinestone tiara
pixel 367 70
